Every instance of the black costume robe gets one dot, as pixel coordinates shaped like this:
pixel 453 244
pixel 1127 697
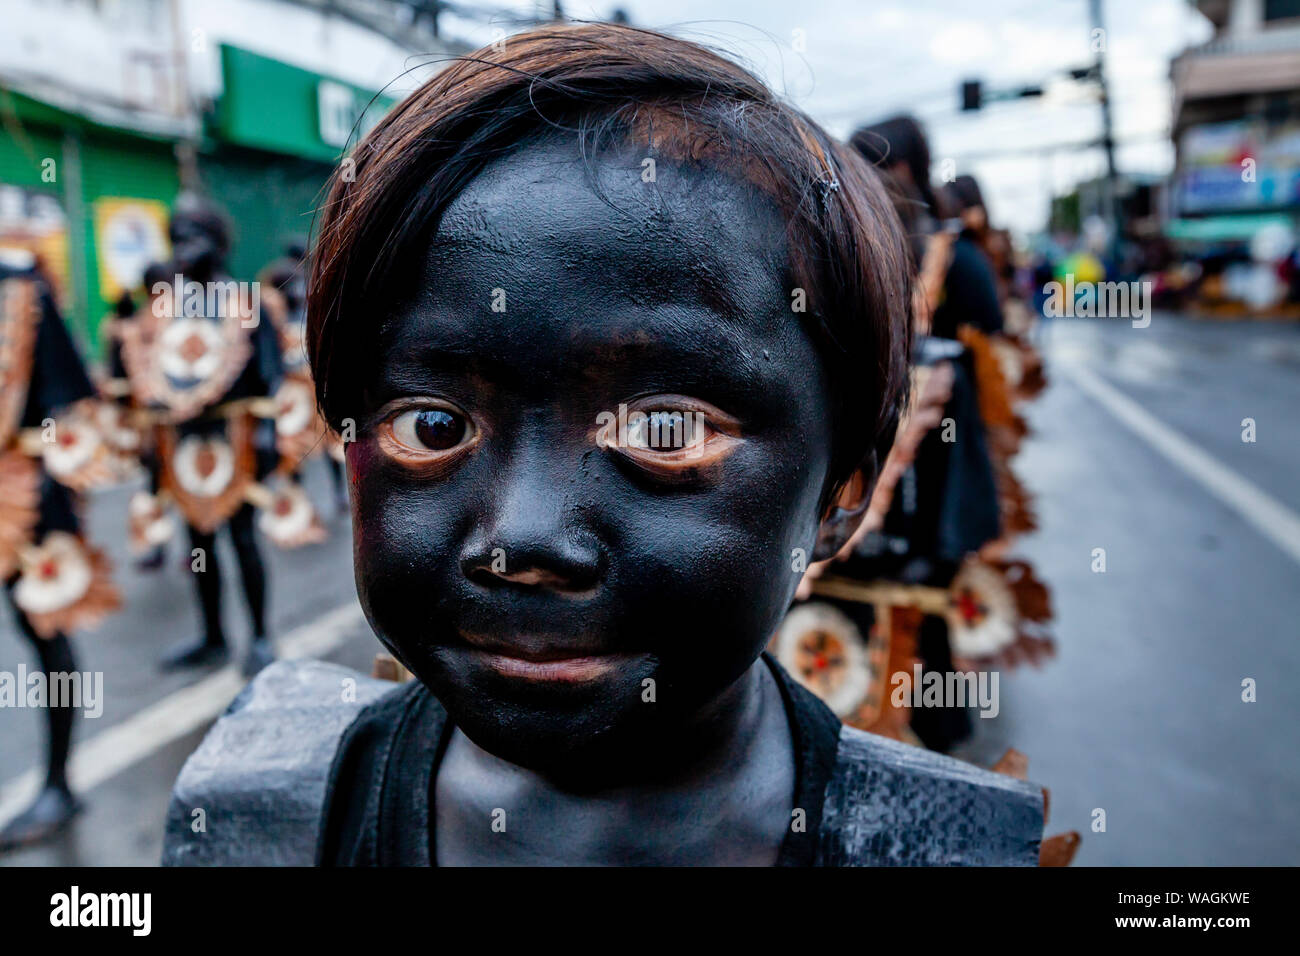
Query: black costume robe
pixel 57 379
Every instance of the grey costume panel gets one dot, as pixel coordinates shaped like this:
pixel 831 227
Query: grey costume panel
pixel 892 804
pixel 261 773
pixel 259 776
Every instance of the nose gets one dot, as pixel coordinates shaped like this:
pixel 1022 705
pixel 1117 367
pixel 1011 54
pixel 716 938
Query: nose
pixel 531 535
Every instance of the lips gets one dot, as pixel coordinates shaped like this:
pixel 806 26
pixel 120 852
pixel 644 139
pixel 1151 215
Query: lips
pixel 544 658
pixel 566 670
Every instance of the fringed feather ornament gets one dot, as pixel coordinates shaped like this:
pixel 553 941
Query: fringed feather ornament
pixel 64 585
pixel 825 650
pixel 208 476
pixel 75 452
pixel 20 500
pixel 299 429
pixel 288 518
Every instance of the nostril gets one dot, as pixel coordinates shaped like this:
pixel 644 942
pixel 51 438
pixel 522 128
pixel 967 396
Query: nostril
pixel 527 579
pixel 554 572
pixel 484 577
pixel 562 563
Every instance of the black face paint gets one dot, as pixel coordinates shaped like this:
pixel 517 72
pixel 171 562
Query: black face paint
pixel 570 590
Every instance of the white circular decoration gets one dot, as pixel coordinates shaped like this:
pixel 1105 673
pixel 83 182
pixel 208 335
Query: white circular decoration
pixel 823 649
pixel 982 613
pixel 204 467
pixel 55 575
pixel 190 348
pixel 290 515
pixel 295 407
pixel 149 520
pixel 74 446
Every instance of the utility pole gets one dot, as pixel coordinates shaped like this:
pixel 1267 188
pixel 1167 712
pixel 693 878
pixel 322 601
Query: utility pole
pixel 186 148
pixel 1116 211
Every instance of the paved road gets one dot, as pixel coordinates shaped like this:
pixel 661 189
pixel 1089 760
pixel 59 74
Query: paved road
pixel 122 824
pixel 1140 713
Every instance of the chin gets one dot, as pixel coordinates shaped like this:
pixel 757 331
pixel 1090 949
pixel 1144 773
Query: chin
pixel 572 728
pixel 583 749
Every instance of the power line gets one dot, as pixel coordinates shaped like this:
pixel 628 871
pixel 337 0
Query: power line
pixel 1044 148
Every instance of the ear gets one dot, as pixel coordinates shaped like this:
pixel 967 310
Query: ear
pixel 846 512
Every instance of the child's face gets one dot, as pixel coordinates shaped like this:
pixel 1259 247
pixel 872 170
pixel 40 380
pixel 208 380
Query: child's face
pixel 530 563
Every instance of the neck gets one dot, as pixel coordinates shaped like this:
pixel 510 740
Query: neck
pixel 688 746
pixel 727 797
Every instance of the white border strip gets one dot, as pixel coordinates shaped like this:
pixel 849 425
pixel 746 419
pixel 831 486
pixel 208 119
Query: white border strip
pixel 106 754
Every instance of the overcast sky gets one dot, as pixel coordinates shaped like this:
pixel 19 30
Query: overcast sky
pixel 863 60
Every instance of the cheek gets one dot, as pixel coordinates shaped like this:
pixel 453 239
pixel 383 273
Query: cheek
pixel 713 573
pixel 402 537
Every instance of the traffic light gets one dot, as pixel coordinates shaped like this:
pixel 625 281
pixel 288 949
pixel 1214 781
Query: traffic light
pixel 972 95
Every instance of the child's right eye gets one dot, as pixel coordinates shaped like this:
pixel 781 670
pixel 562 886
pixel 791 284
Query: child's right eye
pixel 427 436
pixel 430 429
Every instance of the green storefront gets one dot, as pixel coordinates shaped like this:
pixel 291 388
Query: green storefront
pixel 89 199
pixel 272 142
pixel 92 200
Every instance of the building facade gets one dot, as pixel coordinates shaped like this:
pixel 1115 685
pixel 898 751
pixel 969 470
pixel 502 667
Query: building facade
pixel 1236 123
pixel 108 108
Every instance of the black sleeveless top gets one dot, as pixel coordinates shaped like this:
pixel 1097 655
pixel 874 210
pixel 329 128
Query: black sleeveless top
pixel 380 810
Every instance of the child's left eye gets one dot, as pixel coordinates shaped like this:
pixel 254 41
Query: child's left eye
pixel 670 437
pixel 667 430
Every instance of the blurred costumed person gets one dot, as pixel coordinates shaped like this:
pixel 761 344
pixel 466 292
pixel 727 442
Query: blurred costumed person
pixel 199 364
pixel 959 281
pixel 923 588
pixel 300 431
pixel 923 581
pixel 960 297
pixel 1008 368
pixel 50 449
pixel 964 200
pixel 149 531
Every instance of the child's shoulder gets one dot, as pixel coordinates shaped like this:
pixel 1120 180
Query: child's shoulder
pixel 889 803
pixel 253 792
pixel 257 790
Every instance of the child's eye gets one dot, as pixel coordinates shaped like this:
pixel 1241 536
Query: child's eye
pixel 431 429
pixel 667 431
pixel 670 437
pixel 429 438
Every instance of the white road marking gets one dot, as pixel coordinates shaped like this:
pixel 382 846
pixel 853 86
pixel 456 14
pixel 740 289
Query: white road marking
pixel 108 753
pixel 1266 514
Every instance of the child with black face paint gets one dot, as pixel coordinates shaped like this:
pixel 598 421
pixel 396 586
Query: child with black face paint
pixel 591 225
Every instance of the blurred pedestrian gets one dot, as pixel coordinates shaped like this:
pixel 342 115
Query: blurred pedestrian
pixel 54 580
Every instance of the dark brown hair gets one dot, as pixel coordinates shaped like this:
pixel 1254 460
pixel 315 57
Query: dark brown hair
pixel 961 194
pixel 605 81
pixel 899 139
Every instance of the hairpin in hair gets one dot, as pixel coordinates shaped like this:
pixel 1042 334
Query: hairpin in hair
pixel 826 185
pixel 827 182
